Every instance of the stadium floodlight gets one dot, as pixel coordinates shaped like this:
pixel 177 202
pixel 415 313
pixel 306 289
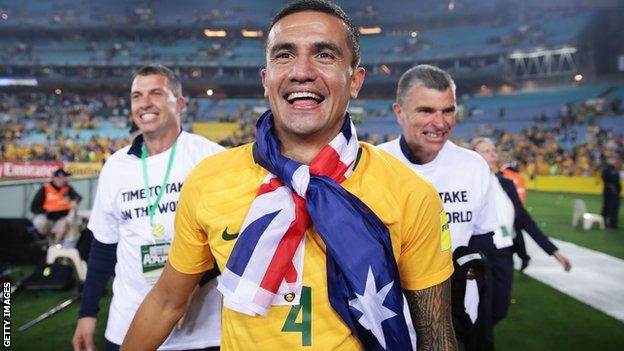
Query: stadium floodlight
pixel 217 33
pixel 370 30
pixel 251 33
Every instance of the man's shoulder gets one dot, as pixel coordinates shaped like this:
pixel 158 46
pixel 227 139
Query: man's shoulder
pixel 225 162
pixel 384 166
pixel 119 155
pixel 225 171
pixel 464 157
pixel 200 143
pixel 388 145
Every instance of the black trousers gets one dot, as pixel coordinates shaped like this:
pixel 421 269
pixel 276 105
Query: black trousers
pixel 611 208
pixel 484 328
pixel 501 263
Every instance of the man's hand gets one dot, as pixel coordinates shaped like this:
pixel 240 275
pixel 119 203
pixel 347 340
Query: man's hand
pixel 524 264
pixel 83 336
pixel 563 261
pixel 430 310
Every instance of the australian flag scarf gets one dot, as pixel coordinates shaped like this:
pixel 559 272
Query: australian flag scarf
pixel 267 260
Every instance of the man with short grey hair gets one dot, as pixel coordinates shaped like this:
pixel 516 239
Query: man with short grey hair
pixel 425 108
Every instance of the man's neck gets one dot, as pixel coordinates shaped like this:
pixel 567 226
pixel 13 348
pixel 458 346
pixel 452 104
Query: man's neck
pixel 157 144
pixel 301 152
pixel 304 149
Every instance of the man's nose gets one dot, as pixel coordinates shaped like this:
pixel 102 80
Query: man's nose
pixel 438 119
pixel 303 69
pixel 143 102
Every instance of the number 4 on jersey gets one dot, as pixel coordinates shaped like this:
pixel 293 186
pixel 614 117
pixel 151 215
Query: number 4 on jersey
pixel 305 326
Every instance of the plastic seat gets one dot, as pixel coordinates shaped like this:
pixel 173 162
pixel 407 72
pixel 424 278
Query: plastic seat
pixel 589 219
pixel 68 248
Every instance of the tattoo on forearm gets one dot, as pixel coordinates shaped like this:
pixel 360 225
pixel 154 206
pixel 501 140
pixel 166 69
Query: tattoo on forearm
pixel 430 310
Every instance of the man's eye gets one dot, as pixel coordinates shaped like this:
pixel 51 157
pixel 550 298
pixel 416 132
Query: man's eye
pixel 325 55
pixel 283 55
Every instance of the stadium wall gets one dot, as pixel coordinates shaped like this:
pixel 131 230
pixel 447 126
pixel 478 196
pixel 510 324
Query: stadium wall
pixel 578 185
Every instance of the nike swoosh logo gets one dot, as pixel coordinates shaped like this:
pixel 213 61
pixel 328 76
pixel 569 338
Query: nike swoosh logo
pixel 227 236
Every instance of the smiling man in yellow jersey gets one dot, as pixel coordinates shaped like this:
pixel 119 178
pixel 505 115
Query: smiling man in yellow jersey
pixel 317 236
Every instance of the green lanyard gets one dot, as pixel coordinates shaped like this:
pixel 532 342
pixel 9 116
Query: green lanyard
pixel 157 229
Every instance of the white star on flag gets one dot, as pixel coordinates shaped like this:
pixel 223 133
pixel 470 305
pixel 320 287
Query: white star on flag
pixel 372 308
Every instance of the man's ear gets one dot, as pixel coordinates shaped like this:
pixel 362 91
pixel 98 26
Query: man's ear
pixel 357 79
pixel 180 103
pixel 263 74
pixel 398 112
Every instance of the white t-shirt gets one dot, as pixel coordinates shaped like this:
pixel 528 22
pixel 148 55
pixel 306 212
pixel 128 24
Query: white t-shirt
pixel 503 235
pixel 462 178
pixel 119 215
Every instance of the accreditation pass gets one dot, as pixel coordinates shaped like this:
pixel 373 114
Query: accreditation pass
pixel 153 258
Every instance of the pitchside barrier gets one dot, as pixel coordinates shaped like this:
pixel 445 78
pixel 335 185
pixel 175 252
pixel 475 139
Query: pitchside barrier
pixel 17 195
pixel 564 184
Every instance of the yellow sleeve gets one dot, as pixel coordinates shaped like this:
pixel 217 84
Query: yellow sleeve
pixel 190 251
pixel 426 258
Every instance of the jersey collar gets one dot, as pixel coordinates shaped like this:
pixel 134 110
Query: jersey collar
pixel 405 150
pixel 137 144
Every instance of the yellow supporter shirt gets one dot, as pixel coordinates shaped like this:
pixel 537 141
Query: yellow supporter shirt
pixel 213 204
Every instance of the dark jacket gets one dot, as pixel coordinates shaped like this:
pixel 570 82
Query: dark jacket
pixel 523 220
pixel 611 180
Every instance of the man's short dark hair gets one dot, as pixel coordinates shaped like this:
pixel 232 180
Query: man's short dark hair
pixel 353 37
pixel 175 84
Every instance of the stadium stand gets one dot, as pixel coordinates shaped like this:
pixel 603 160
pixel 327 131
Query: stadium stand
pixel 473 40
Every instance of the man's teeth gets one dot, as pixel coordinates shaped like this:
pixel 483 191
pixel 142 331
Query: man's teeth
pixel 148 117
pixel 436 134
pixel 302 95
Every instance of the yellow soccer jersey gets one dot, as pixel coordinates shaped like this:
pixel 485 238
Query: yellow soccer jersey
pixel 216 198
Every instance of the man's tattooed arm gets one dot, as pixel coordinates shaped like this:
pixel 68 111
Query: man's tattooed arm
pixel 430 310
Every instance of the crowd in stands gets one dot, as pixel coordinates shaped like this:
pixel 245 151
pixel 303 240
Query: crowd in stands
pixel 542 149
pixel 59 118
pixel 559 149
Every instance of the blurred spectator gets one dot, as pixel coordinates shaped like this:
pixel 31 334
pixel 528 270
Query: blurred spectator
pixel 611 191
pixel 54 206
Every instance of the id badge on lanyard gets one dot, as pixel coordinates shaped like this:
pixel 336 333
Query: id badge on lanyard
pixel 153 259
pixel 154 255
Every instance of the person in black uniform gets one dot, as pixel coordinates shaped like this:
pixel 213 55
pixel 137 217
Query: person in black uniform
pixel 611 191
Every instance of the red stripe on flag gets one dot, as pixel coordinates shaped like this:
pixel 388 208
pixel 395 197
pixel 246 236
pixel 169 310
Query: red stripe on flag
pixel 272 185
pixel 327 163
pixel 291 274
pixel 281 262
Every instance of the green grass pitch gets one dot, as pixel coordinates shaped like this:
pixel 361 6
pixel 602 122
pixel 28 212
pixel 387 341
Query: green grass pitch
pixel 540 318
